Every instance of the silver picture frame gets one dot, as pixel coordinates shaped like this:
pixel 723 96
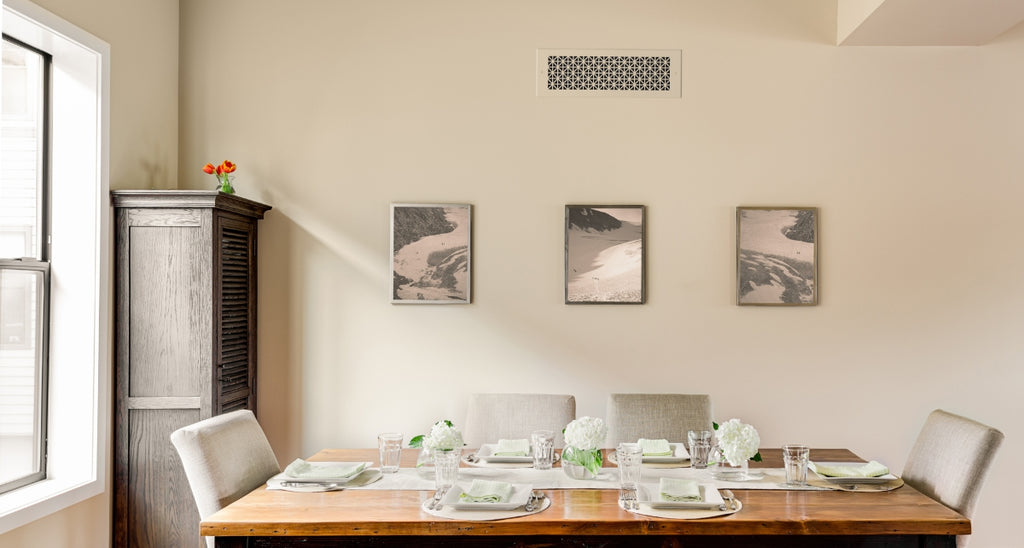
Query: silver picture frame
pixel 431 253
pixel 605 254
pixel 777 256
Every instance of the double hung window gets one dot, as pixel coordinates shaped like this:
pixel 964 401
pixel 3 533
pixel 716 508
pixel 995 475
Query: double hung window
pixel 24 263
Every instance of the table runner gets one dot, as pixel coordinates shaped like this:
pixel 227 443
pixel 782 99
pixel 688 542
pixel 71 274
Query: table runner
pixel 772 478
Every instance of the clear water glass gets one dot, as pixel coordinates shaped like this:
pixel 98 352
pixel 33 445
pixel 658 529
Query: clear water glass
pixel 699 443
pixel 629 458
pixel 542 445
pixel 446 468
pixel 390 446
pixel 795 459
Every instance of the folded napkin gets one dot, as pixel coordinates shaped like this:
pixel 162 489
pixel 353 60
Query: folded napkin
pixel 487 491
pixel 872 469
pixel 655 448
pixel 300 469
pixel 679 490
pixel 512 448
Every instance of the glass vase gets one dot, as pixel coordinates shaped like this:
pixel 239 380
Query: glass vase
pixel 446 467
pixel 723 471
pixel 425 464
pixel 581 463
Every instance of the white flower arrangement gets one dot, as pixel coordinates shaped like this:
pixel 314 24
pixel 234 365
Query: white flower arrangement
pixel 586 433
pixel 739 442
pixel 583 439
pixel 443 436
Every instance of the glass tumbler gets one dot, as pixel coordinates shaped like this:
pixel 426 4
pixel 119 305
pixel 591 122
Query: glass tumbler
pixel 700 443
pixel 795 458
pixel 542 445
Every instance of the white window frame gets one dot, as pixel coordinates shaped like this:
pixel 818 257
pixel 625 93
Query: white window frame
pixel 80 340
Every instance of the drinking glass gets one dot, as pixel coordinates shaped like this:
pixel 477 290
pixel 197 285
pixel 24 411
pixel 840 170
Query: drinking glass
pixel 795 458
pixel 630 458
pixel 542 443
pixel 390 446
pixel 700 443
pixel 446 468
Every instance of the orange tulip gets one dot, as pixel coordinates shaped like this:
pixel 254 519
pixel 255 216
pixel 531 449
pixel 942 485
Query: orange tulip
pixel 208 168
pixel 227 167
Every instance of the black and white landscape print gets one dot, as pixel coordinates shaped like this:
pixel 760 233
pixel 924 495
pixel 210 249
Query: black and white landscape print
pixel 776 255
pixel 430 253
pixel 604 254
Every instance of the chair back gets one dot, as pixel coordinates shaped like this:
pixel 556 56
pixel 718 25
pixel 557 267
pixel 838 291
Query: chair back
pixel 224 458
pixel 950 459
pixel 669 416
pixel 490 417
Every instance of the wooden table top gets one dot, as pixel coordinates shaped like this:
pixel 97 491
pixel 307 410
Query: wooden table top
pixel 903 511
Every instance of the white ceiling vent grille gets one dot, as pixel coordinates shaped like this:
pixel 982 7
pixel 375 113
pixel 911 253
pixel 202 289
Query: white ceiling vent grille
pixel 608 73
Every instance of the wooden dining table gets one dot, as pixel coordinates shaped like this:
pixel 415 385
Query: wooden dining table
pixel 586 518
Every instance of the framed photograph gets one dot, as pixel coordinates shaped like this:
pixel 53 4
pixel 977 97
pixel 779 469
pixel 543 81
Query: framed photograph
pixel 777 256
pixel 604 254
pixel 430 253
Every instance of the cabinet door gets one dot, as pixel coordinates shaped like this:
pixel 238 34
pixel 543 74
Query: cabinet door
pixel 164 317
pixel 235 314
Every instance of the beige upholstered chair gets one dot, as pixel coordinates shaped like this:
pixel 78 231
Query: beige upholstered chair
pixel 490 417
pixel 950 459
pixel 669 416
pixel 225 457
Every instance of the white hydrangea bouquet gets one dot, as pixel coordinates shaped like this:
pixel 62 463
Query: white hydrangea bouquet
pixel 738 442
pixel 443 436
pixel 583 439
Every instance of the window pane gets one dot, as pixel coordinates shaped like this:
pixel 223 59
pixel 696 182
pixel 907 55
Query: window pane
pixel 22 149
pixel 21 372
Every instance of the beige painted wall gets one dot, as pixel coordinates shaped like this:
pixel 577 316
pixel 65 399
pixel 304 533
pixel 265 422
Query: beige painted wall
pixel 143 38
pixel 333 110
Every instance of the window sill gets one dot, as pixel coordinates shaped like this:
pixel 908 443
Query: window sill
pixel 42 498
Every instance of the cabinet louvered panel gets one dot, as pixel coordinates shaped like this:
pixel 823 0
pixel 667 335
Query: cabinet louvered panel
pixel 234 390
pixel 186 346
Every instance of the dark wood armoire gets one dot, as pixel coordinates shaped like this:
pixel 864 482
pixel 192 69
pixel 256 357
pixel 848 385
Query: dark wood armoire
pixel 185 346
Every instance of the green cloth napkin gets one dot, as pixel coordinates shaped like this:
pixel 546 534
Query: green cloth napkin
pixel 655 448
pixel 679 490
pixel 300 469
pixel 512 448
pixel 487 491
pixel 872 469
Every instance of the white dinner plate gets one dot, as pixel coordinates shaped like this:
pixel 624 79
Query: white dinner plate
pixel 486 454
pixel 520 495
pixel 679 454
pixel 325 478
pixel 847 479
pixel 710 498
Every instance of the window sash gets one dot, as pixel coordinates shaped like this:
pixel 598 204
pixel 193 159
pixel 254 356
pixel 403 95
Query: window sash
pixel 38 237
pixel 37 301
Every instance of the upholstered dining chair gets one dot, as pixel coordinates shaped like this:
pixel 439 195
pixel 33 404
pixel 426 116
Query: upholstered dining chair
pixel 490 417
pixel 224 457
pixel 950 459
pixel 669 416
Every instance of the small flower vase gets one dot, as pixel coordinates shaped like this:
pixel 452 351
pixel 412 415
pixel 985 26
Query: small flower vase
pixel 581 463
pixel 425 464
pixel 446 467
pixel 226 188
pixel 722 470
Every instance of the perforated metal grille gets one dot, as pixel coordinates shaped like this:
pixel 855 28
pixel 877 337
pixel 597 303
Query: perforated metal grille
pixel 604 72
pixel 622 73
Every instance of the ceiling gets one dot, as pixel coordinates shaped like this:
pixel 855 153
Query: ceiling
pixel 925 22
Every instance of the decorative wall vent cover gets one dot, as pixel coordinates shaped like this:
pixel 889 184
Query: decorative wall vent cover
pixel 609 73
